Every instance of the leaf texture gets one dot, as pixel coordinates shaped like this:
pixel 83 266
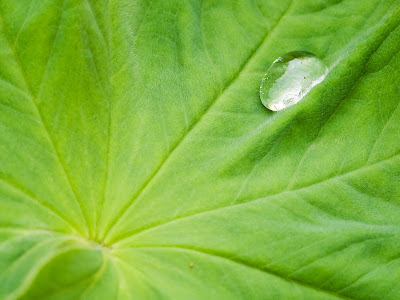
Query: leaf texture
pixel 137 161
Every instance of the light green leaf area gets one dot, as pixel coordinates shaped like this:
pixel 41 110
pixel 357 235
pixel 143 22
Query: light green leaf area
pixel 137 161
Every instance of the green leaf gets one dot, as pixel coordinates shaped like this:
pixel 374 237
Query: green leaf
pixel 137 161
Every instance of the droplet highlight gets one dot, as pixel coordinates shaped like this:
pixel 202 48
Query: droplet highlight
pixel 290 78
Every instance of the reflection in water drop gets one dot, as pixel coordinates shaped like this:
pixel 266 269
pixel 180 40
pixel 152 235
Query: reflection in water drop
pixel 290 78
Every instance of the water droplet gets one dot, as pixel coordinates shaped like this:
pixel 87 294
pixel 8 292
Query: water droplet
pixel 290 78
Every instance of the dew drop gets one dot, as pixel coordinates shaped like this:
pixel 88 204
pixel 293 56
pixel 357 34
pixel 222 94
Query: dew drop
pixel 290 78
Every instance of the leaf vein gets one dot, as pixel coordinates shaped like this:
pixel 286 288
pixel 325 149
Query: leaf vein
pixel 193 125
pixel 36 105
pixel 36 200
pixel 248 265
pixel 134 233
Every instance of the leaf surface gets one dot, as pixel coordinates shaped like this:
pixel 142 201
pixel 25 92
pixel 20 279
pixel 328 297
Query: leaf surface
pixel 137 161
